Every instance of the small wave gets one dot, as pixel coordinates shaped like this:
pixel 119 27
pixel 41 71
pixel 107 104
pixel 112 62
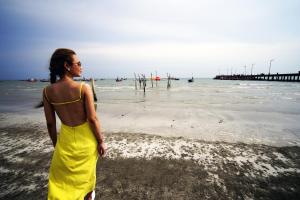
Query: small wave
pixel 178 89
pixel 254 97
pixel 260 84
pixel 259 87
pixel 254 84
pixel 114 88
pixel 288 98
pixel 242 84
pixel 242 87
pixel 30 89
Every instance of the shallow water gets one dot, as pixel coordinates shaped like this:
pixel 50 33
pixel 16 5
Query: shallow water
pixel 212 110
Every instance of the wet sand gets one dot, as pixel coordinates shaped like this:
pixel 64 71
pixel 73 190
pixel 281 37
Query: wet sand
pixel 140 166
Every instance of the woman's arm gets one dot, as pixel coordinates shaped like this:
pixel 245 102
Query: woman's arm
pixel 92 118
pixel 50 118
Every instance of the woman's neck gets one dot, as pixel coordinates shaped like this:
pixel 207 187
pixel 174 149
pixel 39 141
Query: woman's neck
pixel 66 78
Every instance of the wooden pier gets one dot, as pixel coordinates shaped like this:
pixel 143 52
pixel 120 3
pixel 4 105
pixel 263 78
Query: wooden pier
pixel 292 77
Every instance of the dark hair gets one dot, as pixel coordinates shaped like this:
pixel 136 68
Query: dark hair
pixel 57 61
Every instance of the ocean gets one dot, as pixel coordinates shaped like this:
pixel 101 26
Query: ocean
pixel 253 112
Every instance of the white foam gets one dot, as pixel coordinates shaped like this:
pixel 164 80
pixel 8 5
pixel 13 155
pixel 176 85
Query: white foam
pixel 209 155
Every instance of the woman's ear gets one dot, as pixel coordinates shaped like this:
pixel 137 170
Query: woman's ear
pixel 66 66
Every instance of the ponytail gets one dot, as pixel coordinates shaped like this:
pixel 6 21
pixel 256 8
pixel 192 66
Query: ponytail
pixel 57 61
pixel 52 77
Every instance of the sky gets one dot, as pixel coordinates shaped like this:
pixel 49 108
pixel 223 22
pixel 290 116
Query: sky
pixel 120 37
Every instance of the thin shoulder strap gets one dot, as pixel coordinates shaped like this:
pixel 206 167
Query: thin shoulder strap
pixel 67 102
pixel 45 91
pixel 81 89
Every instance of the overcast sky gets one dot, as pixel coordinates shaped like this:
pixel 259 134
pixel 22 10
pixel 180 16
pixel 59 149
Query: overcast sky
pixel 119 37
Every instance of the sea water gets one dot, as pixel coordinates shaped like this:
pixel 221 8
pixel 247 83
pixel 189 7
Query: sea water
pixel 214 110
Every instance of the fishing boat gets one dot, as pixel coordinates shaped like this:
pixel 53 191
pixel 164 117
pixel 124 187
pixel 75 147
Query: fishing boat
pixel 157 78
pixel 119 79
pixel 44 80
pixel 32 80
pixel 191 80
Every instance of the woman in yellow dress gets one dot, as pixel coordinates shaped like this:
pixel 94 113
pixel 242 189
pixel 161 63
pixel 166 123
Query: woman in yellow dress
pixel 72 173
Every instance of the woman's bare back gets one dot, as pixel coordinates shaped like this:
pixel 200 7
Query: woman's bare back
pixel 68 101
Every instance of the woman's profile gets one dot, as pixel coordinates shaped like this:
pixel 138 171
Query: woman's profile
pixel 72 172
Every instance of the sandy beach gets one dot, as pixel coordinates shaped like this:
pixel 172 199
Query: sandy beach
pixel 143 166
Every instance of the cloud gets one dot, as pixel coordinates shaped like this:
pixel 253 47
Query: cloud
pixel 170 34
pixel 188 52
pixel 228 21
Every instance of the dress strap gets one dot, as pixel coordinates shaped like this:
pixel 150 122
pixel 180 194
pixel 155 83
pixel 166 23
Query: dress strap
pixel 80 89
pixel 67 102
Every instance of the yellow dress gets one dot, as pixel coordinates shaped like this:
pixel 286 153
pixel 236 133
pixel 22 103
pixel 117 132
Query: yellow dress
pixel 73 166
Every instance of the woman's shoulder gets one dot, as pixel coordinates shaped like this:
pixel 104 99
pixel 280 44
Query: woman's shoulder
pixel 85 87
pixel 50 87
pixel 84 84
pixel 47 87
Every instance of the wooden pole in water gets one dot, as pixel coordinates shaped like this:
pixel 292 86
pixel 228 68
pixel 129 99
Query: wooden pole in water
pixel 135 81
pixel 140 81
pixel 94 93
pixel 93 89
pixel 169 80
pixel 151 80
pixel 270 66
pixel 156 78
pixel 144 83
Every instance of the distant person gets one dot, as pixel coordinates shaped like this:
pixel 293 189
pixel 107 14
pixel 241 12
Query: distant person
pixel 73 167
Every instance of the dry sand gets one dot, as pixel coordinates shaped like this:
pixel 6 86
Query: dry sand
pixel 140 166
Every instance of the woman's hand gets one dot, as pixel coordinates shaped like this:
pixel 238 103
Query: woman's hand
pixel 101 149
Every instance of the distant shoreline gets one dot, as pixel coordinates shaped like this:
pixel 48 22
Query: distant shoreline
pixel 111 78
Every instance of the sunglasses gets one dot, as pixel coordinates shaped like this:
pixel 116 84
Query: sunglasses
pixel 79 64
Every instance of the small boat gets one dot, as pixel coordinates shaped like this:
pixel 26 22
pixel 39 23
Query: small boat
pixel 157 78
pixel 44 80
pixel 85 79
pixel 32 80
pixel 191 80
pixel 119 79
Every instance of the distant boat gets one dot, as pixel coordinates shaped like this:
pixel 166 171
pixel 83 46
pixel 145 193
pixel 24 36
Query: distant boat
pixel 157 78
pixel 32 80
pixel 85 79
pixel 44 80
pixel 173 78
pixel 191 80
pixel 119 79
